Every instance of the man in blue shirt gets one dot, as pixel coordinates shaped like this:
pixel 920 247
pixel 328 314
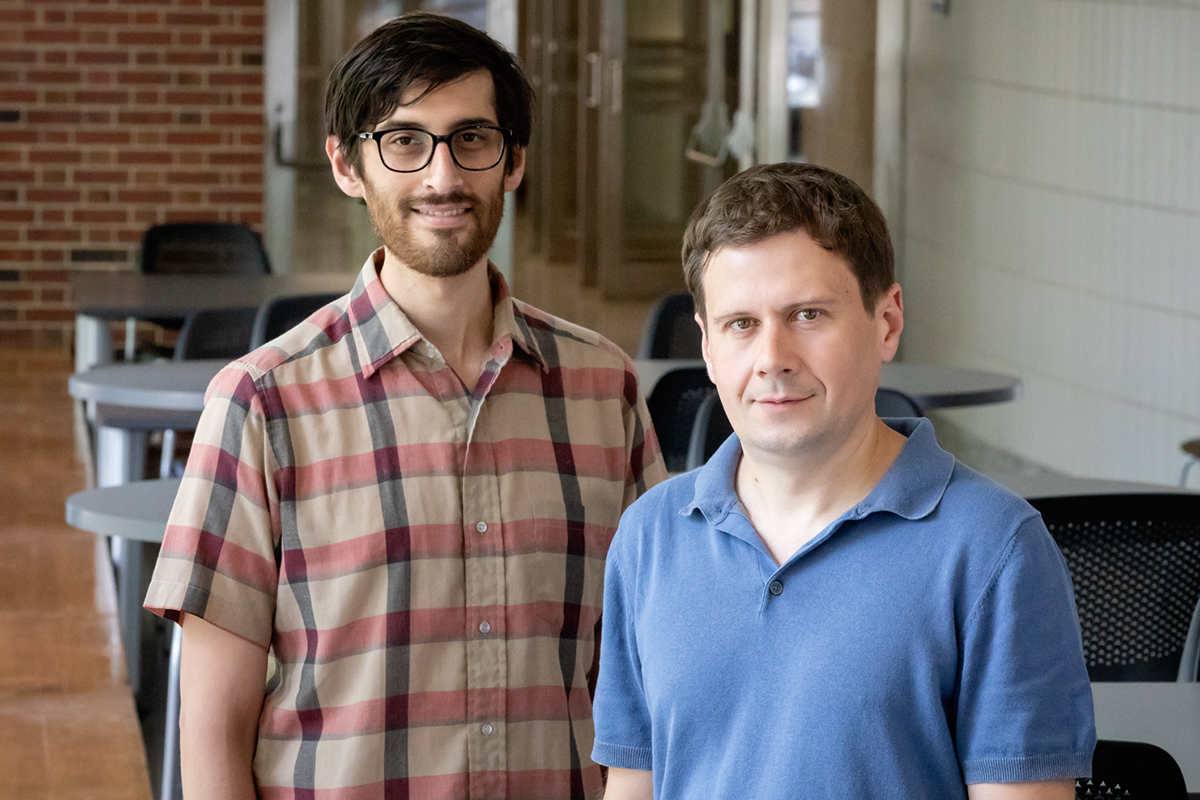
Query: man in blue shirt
pixel 832 606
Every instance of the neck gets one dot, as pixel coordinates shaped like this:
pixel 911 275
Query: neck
pixel 453 314
pixel 790 499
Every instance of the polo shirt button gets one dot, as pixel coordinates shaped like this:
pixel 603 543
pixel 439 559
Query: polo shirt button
pixel 485 627
pixel 481 527
pixel 776 588
pixel 487 729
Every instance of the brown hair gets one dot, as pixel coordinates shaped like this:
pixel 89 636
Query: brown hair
pixel 771 199
pixel 366 85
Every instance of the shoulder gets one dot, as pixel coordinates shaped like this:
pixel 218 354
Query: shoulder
pixel 574 343
pixel 970 493
pixel 313 344
pixel 657 518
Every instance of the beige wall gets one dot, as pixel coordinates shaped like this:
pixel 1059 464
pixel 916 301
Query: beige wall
pixel 1053 222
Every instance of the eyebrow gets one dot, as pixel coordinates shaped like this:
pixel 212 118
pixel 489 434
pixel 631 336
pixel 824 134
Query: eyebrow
pixel 392 124
pixel 812 302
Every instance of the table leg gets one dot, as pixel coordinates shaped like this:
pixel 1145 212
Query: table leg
pixel 120 456
pixel 171 788
pixel 93 342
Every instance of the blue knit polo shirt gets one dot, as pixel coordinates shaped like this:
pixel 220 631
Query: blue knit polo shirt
pixel 926 639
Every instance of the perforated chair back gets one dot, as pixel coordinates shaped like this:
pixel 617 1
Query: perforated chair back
pixel 215 333
pixel 894 403
pixel 673 404
pixel 671 330
pixel 202 248
pixel 1135 566
pixel 1132 770
pixel 280 314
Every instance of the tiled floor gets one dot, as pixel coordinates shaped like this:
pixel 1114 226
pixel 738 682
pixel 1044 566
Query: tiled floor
pixel 68 726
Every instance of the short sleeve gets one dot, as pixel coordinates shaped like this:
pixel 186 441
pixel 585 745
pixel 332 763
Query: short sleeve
pixel 1024 706
pixel 217 559
pixel 646 465
pixel 620 713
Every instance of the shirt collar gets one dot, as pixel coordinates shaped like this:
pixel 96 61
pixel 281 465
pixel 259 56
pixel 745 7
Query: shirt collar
pixel 911 488
pixel 382 331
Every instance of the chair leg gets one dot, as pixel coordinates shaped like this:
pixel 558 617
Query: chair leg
pixel 130 339
pixel 171 788
pixel 168 454
pixel 1186 468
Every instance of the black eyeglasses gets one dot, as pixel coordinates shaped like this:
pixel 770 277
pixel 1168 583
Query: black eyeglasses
pixel 474 147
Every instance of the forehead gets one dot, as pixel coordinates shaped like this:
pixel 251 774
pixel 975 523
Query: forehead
pixel 784 268
pixel 469 98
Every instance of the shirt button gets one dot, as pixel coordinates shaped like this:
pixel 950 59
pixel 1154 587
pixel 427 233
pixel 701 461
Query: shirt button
pixel 487 729
pixel 776 588
pixel 485 627
pixel 481 527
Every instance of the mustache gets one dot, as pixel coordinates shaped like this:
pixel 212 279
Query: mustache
pixel 449 198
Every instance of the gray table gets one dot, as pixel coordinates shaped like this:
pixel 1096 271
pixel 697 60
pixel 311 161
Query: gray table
pixel 104 297
pixel 1056 484
pixel 1163 714
pixel 138 512
pixel 931 386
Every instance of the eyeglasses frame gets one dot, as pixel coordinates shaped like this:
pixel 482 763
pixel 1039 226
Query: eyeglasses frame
pixel 437 139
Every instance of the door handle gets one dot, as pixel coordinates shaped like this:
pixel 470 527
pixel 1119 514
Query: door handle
pixel 594 80
pixel 614 74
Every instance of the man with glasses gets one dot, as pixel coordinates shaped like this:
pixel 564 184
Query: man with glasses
pixel 404 504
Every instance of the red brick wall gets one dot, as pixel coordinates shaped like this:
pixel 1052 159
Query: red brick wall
pixel 115 115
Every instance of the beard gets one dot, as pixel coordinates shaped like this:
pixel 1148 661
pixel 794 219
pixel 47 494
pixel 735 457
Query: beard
pixel 438 253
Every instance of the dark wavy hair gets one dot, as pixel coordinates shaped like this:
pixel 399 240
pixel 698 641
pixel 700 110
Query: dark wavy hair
pixel 366 85
pixel 771 199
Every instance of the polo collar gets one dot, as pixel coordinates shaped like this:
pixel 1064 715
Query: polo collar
pixel 382 331
pixel 911 488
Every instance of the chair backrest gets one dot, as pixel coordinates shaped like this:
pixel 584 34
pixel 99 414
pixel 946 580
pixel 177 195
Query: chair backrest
pixel 709 431
pixel 673 404
pixel 1133 770
pixel 215 333
pixel 1135 566
pixel 894 403
pixel 280 314
pixel 671 330
pixel 202 248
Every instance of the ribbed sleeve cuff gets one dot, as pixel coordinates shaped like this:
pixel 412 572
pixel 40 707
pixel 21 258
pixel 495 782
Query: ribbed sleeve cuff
pixel 1033 768
pixel 622 756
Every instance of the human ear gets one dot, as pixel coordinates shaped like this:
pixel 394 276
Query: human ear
pixel 344 174
pixel 889 314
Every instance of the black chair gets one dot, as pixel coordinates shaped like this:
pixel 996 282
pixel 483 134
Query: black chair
pixel 671 330
pixel 894 403
pixel 215 333
pixel 1133 770
pixel 1135 566
pixel 202 248
pixel 712 427
pixel 281 314
pixel 673 404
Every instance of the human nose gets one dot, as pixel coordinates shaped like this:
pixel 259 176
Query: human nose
pixel 775 352
pixel 442 174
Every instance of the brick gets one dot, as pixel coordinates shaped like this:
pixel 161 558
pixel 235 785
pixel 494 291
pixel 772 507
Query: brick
pixel 99 215
pixel 9 235
pixel 189 78
pixel 16 295
pixel 143 78
pixel 250 99
pixel 18 96
pixel 102 137
pixel 101 176
pixel 59 98
pixel 100 236
pixel 54 156
pixel 94 96
pixel 49 315
pixel 99 256
pixel 144 157
pixel 43 76
pixel 193 178
pixel 11 76
pixel 18 56
pixel 11 157
pixel 193 137
pixel 253 20
pixel 53 295
pixel 55 57
pixel 52 235
pixel 195 198
pixel 190 39
pixel 193 98
pixel 217 39
pixel 148 178
pixel 148 18
pixel 18 137
pixel 145 58
pixel 192 57
pixel 54 215
pixel 35 195
pixel 98 157
pixel 48 275
pixel 53 176
pixel 11 35
pixel 149 138
pixel 55 17
pixel 148 38
pixel 57 117
pixel 10 196
pixel 97 117
pixel 23 256
pixel 250 178
pixel 17 176
pixel 252 59
pixel 147 98
pixel 101 17
pixel 51 36
pixel 235 158
pixel 17 15
pixel 191 118
pixel 235 197
pixel 143 196
pixel 97 37
pixel 16 215
pixel 99 196
pixel 144 118
pixel 99 78
pixel 207 20
pixel 251 139
pixel 102 57
pixel 224 118
pixel 232 3
pixel 235 78
pixel 191 157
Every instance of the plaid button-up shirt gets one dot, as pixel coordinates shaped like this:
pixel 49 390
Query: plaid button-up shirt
pixel 425 563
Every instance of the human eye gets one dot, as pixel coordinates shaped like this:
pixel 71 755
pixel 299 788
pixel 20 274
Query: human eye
pixel 404 139
pixel 808 314
pixel 740 324
pixel 473 137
